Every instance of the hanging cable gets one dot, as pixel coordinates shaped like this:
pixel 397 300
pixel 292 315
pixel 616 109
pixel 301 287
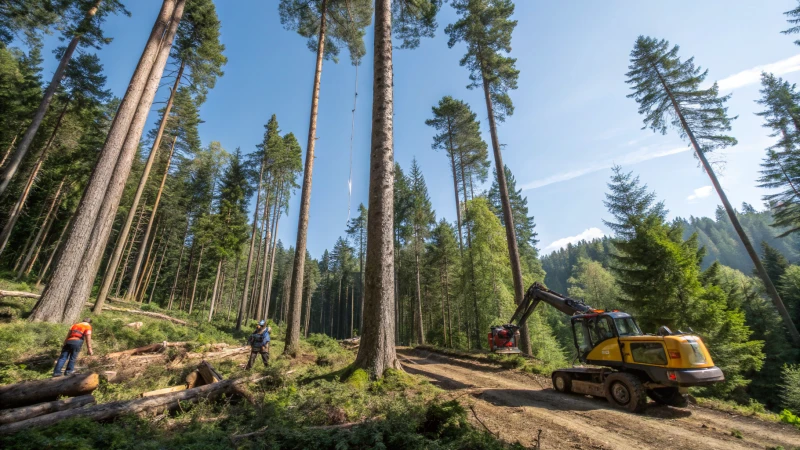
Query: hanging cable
pixel 352 135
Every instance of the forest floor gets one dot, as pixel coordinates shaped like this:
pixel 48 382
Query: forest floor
pixel 514 405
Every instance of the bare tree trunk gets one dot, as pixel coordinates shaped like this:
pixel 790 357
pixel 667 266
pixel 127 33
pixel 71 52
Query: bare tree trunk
pixel 27 245
pixel 158 271
pixel 307 322
pixel 214 295
pixel 16 211
pixel 419 329
pixel 196 276
pixel 47 98
pixel 137 266
pixel 452 152
pixel 149 249
pixel 27 263
pixel 762 273
pixel 52 255
pixel 277 214
pixel 298 269
pixel 243 305
pixel 8 150
pixel 121 275
pixel 376 353
pixel 178 269
pixel 142 290
pixel 508 216
pixel 58 302
pixel 262 295
pixel 235 287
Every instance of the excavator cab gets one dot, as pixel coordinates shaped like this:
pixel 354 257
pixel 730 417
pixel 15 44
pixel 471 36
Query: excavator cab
pixel 590 330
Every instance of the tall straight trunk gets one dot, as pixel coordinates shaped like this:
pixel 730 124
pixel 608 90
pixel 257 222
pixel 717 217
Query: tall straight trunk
pixel 27 263
pixel 508 217
pixel 158 271
pixel 120 274
pixel 142 290
pixel 361 281
pixel 44 105
pixel 214 295
pixel 27 245
pixel 248 266
pixel 352 309
pixel 187 281
pixel 235 287
pixel 298 270
pixel 8 150
pixel 307 322
pixel 16 211
pixel 196 276
pixel 116 256
pixel 272 257
pixel 53 252
pixel 58 302
pixel 149 248
pixel 268 247
pixel 178 267
pixel 762 273
pixel 107 214
pixel 137 266
pixel 452 152
pixel 339 309
pixel 419 329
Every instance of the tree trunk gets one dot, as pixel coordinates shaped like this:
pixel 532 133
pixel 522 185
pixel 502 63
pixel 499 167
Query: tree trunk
pixel 196 276
pixel 16 212
pixel 121 275
pixel 508 217
pixel 52 255
pixel 272 258
pixel 143 182
pixel 8 150
pixel 178 269
pixel 52 212
pixel 452 152
pixel 55 305
pixel 214 295
pixel 762 273
pixel 307 322
pixel 298 269
pixel 419 329
pixel 268 247
pixel 376 353
pixel 29 412
pixel 248 267
pixel 142 289
pixel 32 392
pixel 235 287
pixel 44 105
pixel 158 271
pixel 148 260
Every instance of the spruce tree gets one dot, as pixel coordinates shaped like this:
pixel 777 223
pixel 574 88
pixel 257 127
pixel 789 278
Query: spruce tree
pixel 668 92
pixel 422 218
pixel 357 231
pixel 443 258
pixel 794 20
pixel 486 27
pixel 29 19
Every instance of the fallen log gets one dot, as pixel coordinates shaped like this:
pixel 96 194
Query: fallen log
pixel 218 355
pixel 152 348
pixel 108 411
pixel 163 391
pixel 32 392
pixel 28 412
pixel 140 312
pixel 19 294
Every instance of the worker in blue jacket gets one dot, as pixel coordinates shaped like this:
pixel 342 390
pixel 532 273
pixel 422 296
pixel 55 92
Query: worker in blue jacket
pixel 259 344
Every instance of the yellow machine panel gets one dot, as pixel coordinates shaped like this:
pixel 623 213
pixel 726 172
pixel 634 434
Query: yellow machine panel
pixel 674 352
pixel 607 350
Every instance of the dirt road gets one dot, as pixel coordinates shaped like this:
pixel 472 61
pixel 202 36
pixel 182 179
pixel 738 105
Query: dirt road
pixel 516 405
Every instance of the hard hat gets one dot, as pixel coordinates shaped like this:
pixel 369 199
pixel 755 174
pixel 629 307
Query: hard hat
pixel 262 323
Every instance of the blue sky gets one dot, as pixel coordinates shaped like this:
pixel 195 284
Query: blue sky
pixel 572 119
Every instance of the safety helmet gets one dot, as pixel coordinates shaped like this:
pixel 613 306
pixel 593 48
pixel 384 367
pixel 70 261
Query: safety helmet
pixel 262 323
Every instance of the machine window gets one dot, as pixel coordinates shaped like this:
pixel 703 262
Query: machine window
pixel 626 326
pixel 604 329
pixel 649 353
pixel 582 337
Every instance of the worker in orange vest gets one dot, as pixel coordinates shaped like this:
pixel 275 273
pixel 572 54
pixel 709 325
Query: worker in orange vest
pixel 78 333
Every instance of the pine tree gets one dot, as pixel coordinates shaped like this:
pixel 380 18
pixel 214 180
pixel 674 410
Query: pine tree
pixel 485 26
pixel 524 225
pixel 413 19
pixel 668 89
pixel 29 19
pixel 794 19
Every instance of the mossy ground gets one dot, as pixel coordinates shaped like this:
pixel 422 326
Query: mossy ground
pixel 298 406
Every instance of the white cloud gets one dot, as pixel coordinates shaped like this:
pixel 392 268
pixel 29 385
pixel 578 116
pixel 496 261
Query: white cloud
pixel 635 157
pixel 701 192
pixel 588 235
pixel 752 76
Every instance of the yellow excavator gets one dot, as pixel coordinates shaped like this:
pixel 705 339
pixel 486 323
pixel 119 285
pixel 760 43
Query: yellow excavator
pixel 628 366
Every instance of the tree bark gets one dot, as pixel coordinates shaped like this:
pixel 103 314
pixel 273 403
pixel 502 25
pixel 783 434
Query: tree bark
pixel 54 305
pixel 52 212
pixel 28 412
pixel 178 269
pixel 298 269
pixel 8 150
pixel 508 216
pixel 452 152
pixel 133 296
pixel 214 296
pixel 124 269
pixel 376 353
pixel 158 271
pixel 262 294
pixel 142 289
pixel 248 267
pixel 16 212
pixel 762 273
pixel 32 392
pixel 44 105
pixel 272 257
pixel 52 255
pixel 418 329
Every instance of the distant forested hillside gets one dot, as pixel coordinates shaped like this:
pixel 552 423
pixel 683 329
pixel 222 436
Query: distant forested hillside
pixel 715 235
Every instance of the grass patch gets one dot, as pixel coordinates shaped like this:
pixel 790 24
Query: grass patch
pixel 753 409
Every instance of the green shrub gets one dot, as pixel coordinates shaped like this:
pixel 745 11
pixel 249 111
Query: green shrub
pixel 787 417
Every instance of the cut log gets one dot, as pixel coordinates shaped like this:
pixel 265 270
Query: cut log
pixel 148 314
pixel 28 412
pixel 152 348
pixel 163 391
pixel 219 355
pixel 208 373
pixel 158 403
pixel 18 294
pixel 32 392
pixel 192 379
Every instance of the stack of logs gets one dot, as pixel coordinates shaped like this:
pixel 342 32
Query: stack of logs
pixel 41 403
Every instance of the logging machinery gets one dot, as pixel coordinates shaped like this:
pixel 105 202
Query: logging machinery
pixel 627 365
